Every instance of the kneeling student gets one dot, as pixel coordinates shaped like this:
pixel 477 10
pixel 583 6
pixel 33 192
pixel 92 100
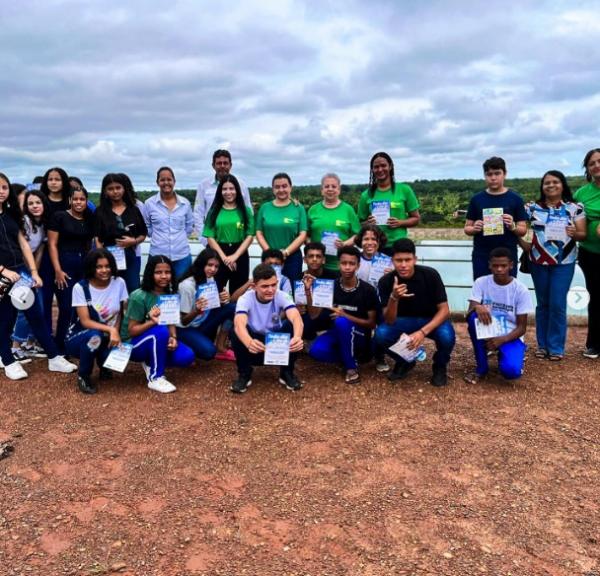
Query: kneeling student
pixel 353 315
pixel 501 303
pixel 258 312
pixel 415 303
pixel 98 300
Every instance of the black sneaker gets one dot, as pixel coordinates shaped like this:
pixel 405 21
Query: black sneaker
pixel 289 380
pixel 85 385
pixel 240 385
pixel 591 353
pixel 439 377
pixel 401 369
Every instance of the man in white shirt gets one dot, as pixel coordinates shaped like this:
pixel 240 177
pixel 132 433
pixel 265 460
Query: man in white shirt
pixel 207 189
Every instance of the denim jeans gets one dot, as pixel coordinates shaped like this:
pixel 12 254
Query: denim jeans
pixel 132 274
pixel 201 338
pixel 88 345
pixel 551 283
pixel 180 267
pixel 511 355
pixel 246 359
pixel 292 267
pixel 22 332
pixel 443 336
pixel 72 264
pixel 8 315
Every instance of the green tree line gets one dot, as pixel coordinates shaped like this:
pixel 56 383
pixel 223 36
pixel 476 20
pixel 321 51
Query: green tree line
pixel 439 199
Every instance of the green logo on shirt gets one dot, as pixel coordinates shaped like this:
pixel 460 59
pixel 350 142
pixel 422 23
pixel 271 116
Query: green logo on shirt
pixel 287 220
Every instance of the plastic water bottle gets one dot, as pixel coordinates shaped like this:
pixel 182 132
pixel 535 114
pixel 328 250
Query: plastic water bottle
pixel 421 354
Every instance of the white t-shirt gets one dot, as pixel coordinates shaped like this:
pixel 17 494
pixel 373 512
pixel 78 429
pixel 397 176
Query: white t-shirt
pixel 263 317
pixel 106 301
pixel 510 300
pixel 187 295
pixel 34 239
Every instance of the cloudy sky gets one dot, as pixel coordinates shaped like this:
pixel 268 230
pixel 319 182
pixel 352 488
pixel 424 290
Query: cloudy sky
pixel 306 87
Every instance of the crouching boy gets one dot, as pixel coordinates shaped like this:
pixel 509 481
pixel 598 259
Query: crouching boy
pixel 258 312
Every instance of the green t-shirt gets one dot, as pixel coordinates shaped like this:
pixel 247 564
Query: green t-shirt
pixel 138 307
pixel 229 226
pixel 589 196
pixel 402 202
pixel 342 220
pixel 281 225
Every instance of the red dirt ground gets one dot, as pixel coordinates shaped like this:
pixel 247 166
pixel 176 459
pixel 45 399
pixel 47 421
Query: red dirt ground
pixel 372 480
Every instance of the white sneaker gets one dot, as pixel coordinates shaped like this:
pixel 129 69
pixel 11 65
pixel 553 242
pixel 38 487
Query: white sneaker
pixel 146 370
pixel 161 385
pixel 59 364
pixel 15 371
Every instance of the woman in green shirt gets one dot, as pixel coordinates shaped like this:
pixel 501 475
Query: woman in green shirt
pixel 281 224
pixel 229 229
pixel 386 197
pixel 332 222
pixel 589 249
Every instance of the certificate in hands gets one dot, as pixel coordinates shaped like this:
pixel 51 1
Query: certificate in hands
pixel 497 327
pixel 401 348
pixel 210 292
pixel 170 309
pixel 119 256
pixel 322 293
pixel 381 211
pixel 328 240
pixel 277 351
pixel 299 293
pixel 379 264
pixel 118 357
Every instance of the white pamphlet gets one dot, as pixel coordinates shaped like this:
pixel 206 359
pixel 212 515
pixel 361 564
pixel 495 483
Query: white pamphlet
pixel 210 292
pixel 277 351
pixel 118 357
pixel 170 309
pixel 119 255
pixel 401 348
pixel 322 293
pixel 299 293
pixel 379 264
pixel 492 221
pixel 24 280
pixel 381 211
pixel 556 230
pixel 328 240
pixel 497 327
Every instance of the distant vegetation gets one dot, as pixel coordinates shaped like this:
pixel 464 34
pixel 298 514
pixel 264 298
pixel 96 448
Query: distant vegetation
pixel 439 198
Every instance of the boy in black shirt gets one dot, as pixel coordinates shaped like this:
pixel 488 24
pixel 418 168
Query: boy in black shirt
pixel 353 316
pixel 415 303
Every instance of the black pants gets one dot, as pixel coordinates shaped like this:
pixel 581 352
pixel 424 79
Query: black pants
pixel 590 265
pixel 240 275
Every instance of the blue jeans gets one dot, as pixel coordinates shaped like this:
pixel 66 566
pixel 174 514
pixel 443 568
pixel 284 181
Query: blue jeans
pixel 151 348
pixel 22 332
pixel 35 317
pixel 481 265
pixel 292 267
pixel 132 274
pixel 246 359
pixel 88 345
pixel 46 273
pixel 551 286
pixel 443 336
pixel 511 355
pixel 180 267
pixel 340 344
pixel 72 264
pixel 201 338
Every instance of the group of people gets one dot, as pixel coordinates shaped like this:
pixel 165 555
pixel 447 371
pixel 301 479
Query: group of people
pixel 345 284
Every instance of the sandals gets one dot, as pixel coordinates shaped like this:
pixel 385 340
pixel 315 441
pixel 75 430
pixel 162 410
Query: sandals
pixel 352 377
pixel 541 353
pixel 555 357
